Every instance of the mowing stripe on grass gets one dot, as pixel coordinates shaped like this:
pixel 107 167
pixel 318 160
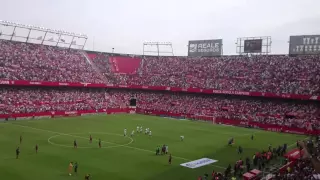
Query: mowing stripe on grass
pixel 131 147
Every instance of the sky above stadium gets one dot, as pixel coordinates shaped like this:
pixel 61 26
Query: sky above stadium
pixel 125 24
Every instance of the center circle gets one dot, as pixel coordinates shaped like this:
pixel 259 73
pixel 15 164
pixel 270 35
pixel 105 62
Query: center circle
pixel 76 136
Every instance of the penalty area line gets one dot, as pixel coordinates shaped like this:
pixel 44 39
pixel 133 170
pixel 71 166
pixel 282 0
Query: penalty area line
pixel 119 145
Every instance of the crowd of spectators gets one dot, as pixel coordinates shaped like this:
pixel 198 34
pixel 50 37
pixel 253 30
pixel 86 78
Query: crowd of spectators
pixel 307 166
pixel 260 160
pixel 34 62
pixel 274 73
pixel 29 100
pixel 278 74
pixel 292 114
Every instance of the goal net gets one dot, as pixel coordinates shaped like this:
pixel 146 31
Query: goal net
pixel 211 119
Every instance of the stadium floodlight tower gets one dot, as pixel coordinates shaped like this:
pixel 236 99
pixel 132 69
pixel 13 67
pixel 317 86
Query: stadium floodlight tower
pixel 254 45
pixel 156 48
pixel 39 35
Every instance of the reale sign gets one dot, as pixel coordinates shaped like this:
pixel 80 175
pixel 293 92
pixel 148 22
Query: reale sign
pixel 205 47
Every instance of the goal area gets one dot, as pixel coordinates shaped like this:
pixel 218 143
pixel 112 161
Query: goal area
pixel 211 119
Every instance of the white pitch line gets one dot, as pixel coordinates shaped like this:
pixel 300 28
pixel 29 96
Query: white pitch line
pixel 61 145
pixel 44 130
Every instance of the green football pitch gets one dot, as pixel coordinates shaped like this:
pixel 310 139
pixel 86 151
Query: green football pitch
pixel 123 157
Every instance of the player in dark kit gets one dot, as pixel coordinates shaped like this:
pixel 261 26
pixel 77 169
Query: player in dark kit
pixel 20 139
pixel 75 166
pixel 90 138
pixel 36 148
pixel 231 141
pixel 99 143
pixel 252 137
pixel 240 150
pixel 170 159
pixel 17 152
pixel 75 144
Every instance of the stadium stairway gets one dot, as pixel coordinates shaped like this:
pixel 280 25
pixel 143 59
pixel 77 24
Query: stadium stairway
pixel 94 66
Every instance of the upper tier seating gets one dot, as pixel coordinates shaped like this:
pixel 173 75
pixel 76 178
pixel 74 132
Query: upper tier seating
pixel 34 62
pixel 277 74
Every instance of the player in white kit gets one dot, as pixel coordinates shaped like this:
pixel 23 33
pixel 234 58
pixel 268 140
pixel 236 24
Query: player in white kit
pixel 138 129
pixel 132 133
pixel 141 129
pixel 181 138
pixel 150 134
pixel 125 132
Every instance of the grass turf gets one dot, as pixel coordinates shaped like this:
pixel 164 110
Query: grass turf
pixel 122 157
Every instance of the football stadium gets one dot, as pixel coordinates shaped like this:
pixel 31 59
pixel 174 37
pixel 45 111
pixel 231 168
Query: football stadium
pixel 68 111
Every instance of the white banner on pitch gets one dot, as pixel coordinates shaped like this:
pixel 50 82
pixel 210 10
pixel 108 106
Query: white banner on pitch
pixel 198 163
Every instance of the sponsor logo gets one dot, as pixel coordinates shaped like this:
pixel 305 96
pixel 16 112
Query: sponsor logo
pixel 36 83
pixel 24 117
pixel 193 47
pixel 244 123
pixel 85 84
pixel 231 92
pixel 63 84
pixel 111 85
pixel 90 114
pixel 168 88
pixel 4 82
pixel 71 112
pixel 274 129
pixel 145 87
pixel 124 86
pixel 314 97
pixel 295 153
pixel 198 163
pixel 294 132
pixel 285 95
pixel 39 117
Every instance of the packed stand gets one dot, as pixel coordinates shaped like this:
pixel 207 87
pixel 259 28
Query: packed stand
pixel 260 161
pixel 100 61
pixel 289 113
pixel 30 100
pixel 35 62
pixel 307 167
pixel 278 74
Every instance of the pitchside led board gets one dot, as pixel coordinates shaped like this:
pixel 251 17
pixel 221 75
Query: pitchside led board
pixel 205 47
pixel 306 44
pixel 252 46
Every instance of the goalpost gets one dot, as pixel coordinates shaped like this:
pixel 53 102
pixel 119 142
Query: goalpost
pixel 206 118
